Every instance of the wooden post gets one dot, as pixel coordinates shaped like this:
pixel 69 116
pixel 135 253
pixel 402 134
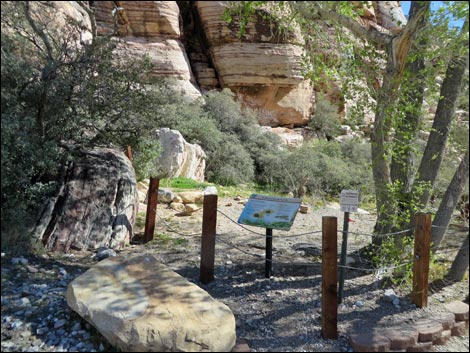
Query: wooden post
pixel 151 209
pixel 209 223
pixel 422 256
pixel 329 278
pixel 129 152
pixel 268 267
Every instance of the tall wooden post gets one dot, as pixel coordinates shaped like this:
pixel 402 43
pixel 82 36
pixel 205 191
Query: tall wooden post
pixel 209 224
pixel 151 209
pixel 422 251
pixel 329 278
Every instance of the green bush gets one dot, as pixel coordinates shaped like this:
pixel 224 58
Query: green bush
pixel 59 101
pixel 322 168
pixel 326 120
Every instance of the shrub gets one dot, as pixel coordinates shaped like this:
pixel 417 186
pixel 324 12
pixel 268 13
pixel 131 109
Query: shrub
pixel 326 120
pixel 320 168
pixel 60 100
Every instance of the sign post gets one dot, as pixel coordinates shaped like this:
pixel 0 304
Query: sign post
pixel 270 212
pixel 349 202
pixel 268 267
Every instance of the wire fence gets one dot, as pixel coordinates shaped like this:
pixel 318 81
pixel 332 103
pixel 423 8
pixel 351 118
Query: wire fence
pixel 382 269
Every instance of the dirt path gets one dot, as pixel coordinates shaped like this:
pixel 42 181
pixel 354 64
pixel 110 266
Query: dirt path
pixel 283 313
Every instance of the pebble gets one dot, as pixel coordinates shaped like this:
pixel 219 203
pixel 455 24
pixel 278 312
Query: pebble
pixel 35 315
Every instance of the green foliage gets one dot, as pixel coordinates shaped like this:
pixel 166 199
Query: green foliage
pixel 143 160
pixel 323 168
pixel 59 97
pixel 326 120
pixel 394 259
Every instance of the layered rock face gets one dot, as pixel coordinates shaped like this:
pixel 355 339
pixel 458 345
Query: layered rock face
pixel 263 69
pixel 149 28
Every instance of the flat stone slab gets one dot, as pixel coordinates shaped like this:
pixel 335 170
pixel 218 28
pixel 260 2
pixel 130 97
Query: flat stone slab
pixel 141 305
pixel 443 338
pixel 420 347
pixel 459 329
pixel 446 319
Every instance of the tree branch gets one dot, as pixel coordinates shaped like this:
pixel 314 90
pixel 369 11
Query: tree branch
pixel 38 31
pixel 371 33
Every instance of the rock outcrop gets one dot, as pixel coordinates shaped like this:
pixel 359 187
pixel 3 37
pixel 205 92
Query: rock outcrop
pixel 263 69
pixel 140 305
pixel 149 28
pixel 96 206
pixel 179 158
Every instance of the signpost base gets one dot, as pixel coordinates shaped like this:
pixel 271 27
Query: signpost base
pixel 269 253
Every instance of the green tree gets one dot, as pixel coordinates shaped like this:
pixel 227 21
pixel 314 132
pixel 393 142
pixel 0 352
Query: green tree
pixel 396 64
pixel 58 97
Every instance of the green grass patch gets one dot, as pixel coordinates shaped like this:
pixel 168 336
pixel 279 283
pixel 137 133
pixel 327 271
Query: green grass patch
pixel 182 183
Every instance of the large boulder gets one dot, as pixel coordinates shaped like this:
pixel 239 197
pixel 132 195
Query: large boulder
pixel 140 305
pixel 96 205
pixel 179 158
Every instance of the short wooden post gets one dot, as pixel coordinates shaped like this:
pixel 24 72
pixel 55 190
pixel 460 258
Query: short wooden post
pixel 129 152
pixel 329 277
pixel 151 209
pixel 209 223
pixel 422 251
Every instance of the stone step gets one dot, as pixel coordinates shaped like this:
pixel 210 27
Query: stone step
pixel 401 337
pixel 459 309
pixel 443 339
pixel 420 347
pixel 459 328
pixel 428 330
pixel 369 342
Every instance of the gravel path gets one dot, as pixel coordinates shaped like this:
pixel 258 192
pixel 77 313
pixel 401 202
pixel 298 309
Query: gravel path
pixel 282 313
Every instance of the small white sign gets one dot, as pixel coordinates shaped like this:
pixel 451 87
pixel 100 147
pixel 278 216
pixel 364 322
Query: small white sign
pixel 349 200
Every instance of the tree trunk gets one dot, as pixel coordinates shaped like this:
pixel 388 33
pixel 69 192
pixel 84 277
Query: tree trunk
pixel 402 166
pixel 449 202
pixel 397 53
pixel 460 264
pixel 435 147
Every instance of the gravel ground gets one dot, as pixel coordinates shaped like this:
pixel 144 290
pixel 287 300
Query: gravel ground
pixel 280 313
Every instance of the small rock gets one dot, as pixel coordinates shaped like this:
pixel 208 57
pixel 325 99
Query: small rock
pixel 359 303
pixel 103 254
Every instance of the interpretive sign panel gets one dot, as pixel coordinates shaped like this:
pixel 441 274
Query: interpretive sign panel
pixel 270 211
pixel 349 200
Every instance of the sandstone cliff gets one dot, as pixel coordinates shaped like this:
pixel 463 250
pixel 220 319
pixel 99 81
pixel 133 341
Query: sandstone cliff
pixel 189 41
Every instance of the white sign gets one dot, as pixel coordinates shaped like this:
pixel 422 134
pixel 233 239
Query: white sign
pixel 349 200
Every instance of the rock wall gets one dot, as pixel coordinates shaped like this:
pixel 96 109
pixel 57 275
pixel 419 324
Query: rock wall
pixel 262 68
pixel 152 28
